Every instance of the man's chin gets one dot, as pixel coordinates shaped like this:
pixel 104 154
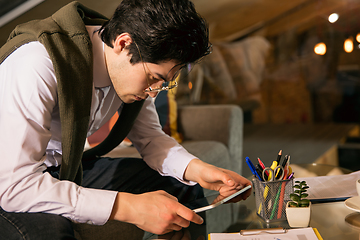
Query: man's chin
pixel 131 99
pixel 128 101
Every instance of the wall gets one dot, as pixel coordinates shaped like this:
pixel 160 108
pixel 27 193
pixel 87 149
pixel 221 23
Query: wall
pixel 48 7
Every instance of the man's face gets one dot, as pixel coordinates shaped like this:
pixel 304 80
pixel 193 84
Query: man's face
pixel 129 80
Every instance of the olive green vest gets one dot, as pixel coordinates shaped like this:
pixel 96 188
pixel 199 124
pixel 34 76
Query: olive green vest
pixel 66 40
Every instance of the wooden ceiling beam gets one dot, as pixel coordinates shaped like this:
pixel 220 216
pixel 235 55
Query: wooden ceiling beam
pixel 313 14
pixel 231 20
pixel 232 17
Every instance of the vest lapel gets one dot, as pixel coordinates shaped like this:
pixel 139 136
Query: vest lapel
pixel 119 131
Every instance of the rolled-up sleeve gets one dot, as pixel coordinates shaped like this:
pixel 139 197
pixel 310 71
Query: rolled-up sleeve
pixel 160 151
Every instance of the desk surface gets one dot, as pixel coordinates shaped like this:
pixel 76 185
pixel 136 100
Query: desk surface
pixel 328 218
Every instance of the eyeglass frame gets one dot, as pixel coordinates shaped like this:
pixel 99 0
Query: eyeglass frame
pixel 159 89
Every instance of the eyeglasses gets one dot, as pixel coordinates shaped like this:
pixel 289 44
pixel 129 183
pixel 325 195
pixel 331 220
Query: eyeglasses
pixel 166 85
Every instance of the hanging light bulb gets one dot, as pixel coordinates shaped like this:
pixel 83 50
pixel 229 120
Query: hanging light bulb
pixel 349 45
pixel 333 17
pixel 320 48
pixel 358 37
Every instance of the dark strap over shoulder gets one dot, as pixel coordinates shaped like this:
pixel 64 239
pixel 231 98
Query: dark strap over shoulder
pixel 119 131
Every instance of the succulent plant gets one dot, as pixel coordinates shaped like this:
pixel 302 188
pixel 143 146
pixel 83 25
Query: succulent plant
pixel 299 195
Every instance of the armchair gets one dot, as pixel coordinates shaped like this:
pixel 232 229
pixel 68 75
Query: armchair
pixel 214 133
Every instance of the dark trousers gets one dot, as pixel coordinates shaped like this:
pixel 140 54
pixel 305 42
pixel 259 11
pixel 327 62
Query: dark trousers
pixel 121 174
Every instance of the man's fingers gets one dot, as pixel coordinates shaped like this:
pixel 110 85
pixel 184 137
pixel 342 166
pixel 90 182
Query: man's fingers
pixel 182 222
pixel 189 215
pixel 175 227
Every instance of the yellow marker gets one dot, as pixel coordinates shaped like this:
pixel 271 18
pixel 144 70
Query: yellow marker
pixel 266 191
pixel 289 170
pixel 273 166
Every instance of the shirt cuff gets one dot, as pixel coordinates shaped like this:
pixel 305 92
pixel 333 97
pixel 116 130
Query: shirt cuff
pixel 176 164
pixel 94 206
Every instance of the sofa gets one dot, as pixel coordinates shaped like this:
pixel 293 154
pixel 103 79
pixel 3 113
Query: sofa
pixel 213 133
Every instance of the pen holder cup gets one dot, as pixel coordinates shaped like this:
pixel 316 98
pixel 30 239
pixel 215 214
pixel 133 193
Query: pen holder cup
pixel 271 198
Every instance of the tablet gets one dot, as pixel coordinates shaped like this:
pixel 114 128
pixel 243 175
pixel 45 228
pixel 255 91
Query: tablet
pixel 203 204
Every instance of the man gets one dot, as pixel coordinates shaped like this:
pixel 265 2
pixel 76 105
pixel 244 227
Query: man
pixel 61 79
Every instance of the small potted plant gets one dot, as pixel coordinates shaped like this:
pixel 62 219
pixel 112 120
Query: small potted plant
pixel 298 210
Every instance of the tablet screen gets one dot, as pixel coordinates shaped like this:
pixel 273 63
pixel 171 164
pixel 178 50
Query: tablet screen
pixel 211 201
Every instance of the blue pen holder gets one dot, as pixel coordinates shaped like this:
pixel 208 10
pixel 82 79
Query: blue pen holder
pixel 271 198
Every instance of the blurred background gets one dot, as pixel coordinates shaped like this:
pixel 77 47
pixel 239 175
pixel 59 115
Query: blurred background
pixel 283 62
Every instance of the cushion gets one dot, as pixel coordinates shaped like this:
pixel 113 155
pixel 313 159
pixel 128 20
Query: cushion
pixel 215 153
pixel 246 63
pixel 166 108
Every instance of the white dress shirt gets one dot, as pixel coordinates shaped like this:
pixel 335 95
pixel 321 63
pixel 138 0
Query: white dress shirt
pixel 30 137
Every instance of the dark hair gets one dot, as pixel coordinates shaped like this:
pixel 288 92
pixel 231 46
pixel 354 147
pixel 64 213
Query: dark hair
pixel 162 29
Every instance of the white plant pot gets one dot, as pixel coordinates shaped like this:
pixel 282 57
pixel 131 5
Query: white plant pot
pixel 298 216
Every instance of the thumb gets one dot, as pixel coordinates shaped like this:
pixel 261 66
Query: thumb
pixel 221 175
pixel 228 180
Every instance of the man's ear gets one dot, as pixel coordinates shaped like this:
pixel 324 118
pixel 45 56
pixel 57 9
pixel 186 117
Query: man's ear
pixel 121 42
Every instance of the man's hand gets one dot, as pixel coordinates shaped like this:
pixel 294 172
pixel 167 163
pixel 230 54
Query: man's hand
pixel 156 212
pixel 224 181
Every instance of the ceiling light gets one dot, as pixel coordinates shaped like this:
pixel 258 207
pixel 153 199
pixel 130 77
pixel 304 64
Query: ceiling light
pixel 320 48
pixel 333 17
pixel 349 45
pixel 358 37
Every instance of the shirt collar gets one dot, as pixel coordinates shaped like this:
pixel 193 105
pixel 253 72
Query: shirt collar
pixel 101 76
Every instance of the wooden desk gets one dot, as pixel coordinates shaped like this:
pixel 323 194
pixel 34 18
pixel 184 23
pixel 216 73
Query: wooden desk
pixel 328 218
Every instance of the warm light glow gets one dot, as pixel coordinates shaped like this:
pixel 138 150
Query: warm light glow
pixel 190 85
pixel 333 17
pixel 358 37
pixel 320 48
pixel 348 45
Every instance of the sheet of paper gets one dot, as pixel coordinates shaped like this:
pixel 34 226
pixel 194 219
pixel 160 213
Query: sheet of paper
pixel 291 234
pixel 329 187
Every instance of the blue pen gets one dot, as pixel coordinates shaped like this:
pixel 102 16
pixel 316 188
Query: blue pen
pixel 252 168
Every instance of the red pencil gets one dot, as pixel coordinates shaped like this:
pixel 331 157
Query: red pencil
pixel 281 201
pixel 261 164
